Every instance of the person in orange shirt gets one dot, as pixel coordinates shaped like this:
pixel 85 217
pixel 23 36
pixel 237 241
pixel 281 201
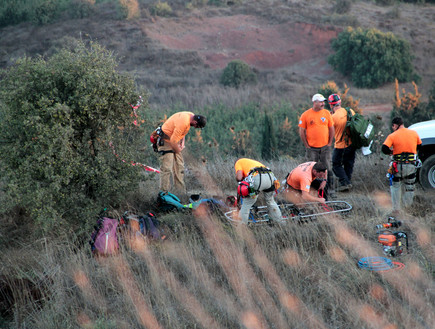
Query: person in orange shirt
pixel 171 160
pixel 316 129
pixel 305 180
pixel 404 143
pixel 253 178
pixel 343 155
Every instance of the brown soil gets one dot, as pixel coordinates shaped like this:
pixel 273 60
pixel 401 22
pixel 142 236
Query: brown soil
pixel 287 42
pixel 254 40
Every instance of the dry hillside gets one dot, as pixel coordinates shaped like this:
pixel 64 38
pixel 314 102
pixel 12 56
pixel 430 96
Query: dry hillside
pixel 179 58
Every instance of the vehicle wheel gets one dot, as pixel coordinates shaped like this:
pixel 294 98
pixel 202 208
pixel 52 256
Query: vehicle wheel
pixel 427 173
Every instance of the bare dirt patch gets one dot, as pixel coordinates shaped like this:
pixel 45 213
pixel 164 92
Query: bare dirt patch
pixel 254 40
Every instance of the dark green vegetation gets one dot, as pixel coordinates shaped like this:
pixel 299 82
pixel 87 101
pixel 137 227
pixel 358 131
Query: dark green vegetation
pixel 237 73
pixel 58 117
pixel 372 58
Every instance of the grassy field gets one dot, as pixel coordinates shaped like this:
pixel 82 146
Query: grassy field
pixel 210 274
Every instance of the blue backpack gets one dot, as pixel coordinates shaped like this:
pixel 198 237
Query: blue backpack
pixel 167 201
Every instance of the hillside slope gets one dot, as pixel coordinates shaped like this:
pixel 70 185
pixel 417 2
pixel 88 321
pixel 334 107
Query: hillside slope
pixel 179 59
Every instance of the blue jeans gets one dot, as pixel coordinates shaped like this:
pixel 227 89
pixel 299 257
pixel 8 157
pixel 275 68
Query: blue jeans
pixel 342 164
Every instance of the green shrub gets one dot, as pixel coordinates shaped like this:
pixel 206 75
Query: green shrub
pixel 81 8
pixel 57 118
pixel 372 58
pixel 45 12
pixel 237 73
pixel 13 12
pixel 161 9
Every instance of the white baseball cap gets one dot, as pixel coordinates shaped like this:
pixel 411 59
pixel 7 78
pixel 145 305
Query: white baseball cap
pixel 318 98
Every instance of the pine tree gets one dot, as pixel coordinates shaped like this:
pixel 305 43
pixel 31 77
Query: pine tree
pixel 269 144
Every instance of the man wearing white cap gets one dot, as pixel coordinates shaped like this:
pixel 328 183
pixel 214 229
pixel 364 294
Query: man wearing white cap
pixel 316 129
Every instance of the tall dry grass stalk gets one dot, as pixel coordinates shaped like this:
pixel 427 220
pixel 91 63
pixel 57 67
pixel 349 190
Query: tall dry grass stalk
pixel 213 275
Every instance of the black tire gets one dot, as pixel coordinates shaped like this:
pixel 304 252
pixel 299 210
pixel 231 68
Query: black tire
pixel 427 173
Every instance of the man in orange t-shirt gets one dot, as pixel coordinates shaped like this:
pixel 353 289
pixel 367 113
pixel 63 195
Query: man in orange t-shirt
pixel 405 143
pixel 316 129
pixel 171 160
pixel 253 178
pixel 343 155
pixel 300 182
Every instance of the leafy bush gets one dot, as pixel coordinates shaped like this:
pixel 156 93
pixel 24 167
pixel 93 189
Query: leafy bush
pixel 46 11
pixel 57 118
pixel 371 57
pixel 161 9
pixel 237 73
pixel 81 8
pixel 13 12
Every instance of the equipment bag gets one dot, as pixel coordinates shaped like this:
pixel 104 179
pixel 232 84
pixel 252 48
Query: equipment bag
pixel 360 130
pixel 104 239
pixel 150 226
pixel 156 138
pixel 167 201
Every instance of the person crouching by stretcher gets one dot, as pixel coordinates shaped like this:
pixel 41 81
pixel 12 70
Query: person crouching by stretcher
pixel 306 183
pixel 253 178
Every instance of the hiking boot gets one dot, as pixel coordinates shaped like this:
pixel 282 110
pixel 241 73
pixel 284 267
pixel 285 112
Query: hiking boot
pixel 344 188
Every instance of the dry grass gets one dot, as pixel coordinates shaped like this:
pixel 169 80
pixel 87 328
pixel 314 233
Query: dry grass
pixel 210 274
pixel 213 275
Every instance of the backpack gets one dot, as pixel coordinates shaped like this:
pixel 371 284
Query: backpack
pixel 360 130
pixel 150 227
pixel 104 239
pixel 212 206
pixel 167 201
pixel 144 226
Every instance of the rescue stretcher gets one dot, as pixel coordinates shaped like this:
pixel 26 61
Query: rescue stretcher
pixel 298 213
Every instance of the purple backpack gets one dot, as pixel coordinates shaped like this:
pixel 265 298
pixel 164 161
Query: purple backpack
pixel 104 240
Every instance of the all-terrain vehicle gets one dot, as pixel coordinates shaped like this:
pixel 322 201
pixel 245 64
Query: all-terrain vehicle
pixel 426 131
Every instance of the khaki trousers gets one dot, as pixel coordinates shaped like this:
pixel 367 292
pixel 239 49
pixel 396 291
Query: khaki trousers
pixel 171 166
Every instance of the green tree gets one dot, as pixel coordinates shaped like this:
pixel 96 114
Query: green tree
pixel 372 58
pixel 269 143
pixel 237 73
pixel 57 119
